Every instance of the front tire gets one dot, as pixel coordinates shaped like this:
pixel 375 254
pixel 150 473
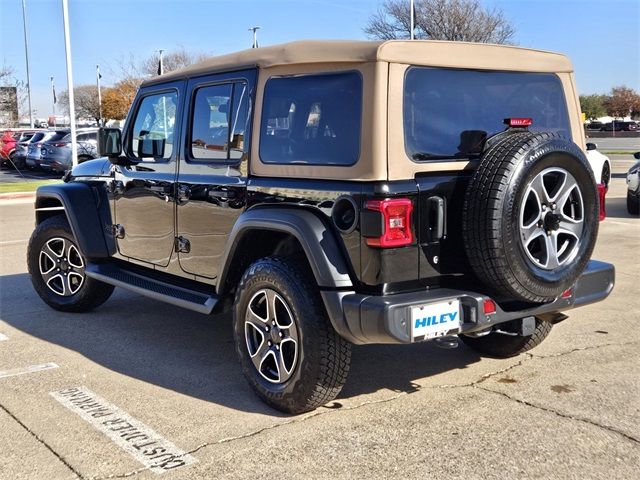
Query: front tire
pixel 56 267
pixel 290 354
pixel 501 345
pixel 633 204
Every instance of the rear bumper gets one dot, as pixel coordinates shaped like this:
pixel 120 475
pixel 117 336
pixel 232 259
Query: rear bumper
pixel 364 319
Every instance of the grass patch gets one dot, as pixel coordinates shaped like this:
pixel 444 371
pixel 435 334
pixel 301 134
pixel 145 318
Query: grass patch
pixel 28 186
pixel 619 152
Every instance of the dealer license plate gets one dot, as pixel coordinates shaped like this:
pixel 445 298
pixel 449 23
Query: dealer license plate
pixel 435 320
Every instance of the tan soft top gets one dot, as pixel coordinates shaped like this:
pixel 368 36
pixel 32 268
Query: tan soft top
pixel 416 52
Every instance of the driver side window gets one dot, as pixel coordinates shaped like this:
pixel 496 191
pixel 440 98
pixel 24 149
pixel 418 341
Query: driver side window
pixel 152 135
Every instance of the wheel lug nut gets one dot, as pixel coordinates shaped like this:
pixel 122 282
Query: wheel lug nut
pixel 277 347
pixel 266 329
pixel 280 334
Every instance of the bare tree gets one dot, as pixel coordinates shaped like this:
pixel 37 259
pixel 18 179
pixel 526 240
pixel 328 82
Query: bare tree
pixel 457 20
pixel 86 101
pixel 171 61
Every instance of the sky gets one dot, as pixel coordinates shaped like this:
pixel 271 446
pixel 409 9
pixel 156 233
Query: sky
pixel 602 37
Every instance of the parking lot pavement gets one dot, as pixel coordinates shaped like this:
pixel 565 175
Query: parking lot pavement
pixel 11 175
pixel 168 377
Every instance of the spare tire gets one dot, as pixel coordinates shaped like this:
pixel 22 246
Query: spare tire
pixel 530 216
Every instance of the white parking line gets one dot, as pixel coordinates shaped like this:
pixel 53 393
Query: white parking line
pixel 134 437
pixel 30 369
pixel 3 337
pixel 623 223
pixel 13 242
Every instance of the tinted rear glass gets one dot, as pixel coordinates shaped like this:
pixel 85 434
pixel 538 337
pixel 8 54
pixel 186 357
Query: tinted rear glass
pixel 450 113
pixel 57 136
pixel 312 119
pixel 37 137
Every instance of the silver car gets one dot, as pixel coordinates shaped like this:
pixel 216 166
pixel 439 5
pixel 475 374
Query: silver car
pixel 56 151
pixel 34 148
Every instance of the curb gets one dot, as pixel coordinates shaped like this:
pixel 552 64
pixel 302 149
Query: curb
pixel 17 196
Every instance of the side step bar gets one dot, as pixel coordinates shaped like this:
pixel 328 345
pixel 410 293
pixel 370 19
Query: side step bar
pixel 150 287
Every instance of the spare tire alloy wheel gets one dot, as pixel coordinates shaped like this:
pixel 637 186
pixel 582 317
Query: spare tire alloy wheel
pixel 552 218
pixel 530 217
pixel 61 267
pixel 271 336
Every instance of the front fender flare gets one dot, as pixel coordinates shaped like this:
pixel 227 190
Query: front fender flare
pixel 318 242
pixel 84 211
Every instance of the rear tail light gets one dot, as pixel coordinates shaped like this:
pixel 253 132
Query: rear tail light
pixel 396 222
pixel 63 144
pixel 602 190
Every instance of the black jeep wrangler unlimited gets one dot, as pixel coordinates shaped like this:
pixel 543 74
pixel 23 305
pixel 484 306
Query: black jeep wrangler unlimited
pixel 331 193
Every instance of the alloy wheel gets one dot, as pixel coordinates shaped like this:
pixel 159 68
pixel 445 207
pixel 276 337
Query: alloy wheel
pixel 552 218
pixel 271 336
pixel 61 267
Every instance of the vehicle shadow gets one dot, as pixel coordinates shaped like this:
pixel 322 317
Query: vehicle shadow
pixel 194 354
pixel 617 208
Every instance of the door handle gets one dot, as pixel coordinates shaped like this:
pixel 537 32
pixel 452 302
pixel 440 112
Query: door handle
pixel 184 193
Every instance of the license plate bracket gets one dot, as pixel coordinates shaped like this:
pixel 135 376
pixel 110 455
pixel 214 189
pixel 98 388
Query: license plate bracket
pixel 432 320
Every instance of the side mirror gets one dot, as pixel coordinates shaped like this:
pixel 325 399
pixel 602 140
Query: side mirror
pixel 591 146
pixel 636 155
pixel 109 142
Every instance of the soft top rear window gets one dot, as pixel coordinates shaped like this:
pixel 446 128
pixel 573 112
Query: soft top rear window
pixel 450 113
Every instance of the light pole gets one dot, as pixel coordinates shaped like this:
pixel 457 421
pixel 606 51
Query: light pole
pixel 98 77
pixel 26 55
pixel 413 14
pixel 72 107
pixel 160 64
pixel 54 100
pixel 255 36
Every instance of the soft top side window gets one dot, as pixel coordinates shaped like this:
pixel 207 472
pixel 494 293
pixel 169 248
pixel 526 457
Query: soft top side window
pixel 152 135
pixel 312 119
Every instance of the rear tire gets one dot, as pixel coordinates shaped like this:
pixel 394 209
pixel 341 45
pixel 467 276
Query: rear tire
pixel 500 345
pixel 289 352
pixel 606 175
pixel 56 267
pixel 633 204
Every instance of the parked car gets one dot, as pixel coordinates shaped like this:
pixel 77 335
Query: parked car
pixel 34 149
pixel 20 156
pixel 594 126
pixel 332 193
pixel 633 187
pixel 600 165
pixel 8 146
pixel 619 126
pixel 56 151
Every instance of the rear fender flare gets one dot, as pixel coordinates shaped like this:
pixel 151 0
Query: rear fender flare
pixel 318 242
